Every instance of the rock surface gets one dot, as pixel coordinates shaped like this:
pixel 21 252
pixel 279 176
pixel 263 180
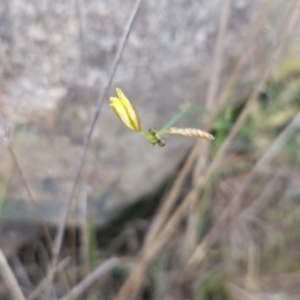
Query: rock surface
pixel 55 59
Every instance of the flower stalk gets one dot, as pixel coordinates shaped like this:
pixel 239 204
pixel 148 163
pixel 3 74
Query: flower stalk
pixel 128 115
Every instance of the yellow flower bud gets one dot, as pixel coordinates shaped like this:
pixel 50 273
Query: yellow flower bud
pixel 126 111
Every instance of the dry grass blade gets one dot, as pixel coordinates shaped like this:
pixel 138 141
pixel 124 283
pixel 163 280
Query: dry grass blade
pixel 274 149
pixel 22 274
pixel 84 233
pixel 165 210
pixel 5 131
pixel 218 54
pixel 103 269
pixel 136 277
pixel 253 268
pixel 60 267
pixel 161 218
pixel 271 189
pixel 130 287
pixel 280 142
pixel 203 155
pixel 240 293
pixel 255 28
pixel 266 158
pixel 10 279
pixel 32 200
pixel 242 58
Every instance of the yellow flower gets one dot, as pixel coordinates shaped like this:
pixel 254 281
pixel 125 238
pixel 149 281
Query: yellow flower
pixel 129 116
pixel 126 111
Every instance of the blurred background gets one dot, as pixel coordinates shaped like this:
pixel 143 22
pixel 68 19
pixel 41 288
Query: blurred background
pixel 124 220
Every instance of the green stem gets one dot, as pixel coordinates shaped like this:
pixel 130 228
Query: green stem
pixel 178 117
pixel 163 131
pixel 143 133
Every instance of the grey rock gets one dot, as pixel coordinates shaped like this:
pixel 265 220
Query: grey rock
pixel 51 77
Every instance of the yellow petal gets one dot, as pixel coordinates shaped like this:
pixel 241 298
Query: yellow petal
pixel 131 110
pixel 121 112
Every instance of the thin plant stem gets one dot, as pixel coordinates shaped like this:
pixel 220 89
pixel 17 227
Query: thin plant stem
pixel 242 59
pixel 68 202
pixel 61 228
pixel 10 279
pixel 179 116
pixel 32 199
pixel 203 157
pixel 90 279
pixel 60 267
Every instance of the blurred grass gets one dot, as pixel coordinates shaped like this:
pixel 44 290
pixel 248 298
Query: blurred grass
pixel 214 287
pixel 275 254
pixel 4 183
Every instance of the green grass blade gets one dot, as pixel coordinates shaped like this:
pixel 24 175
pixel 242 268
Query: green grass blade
pixel 181 114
